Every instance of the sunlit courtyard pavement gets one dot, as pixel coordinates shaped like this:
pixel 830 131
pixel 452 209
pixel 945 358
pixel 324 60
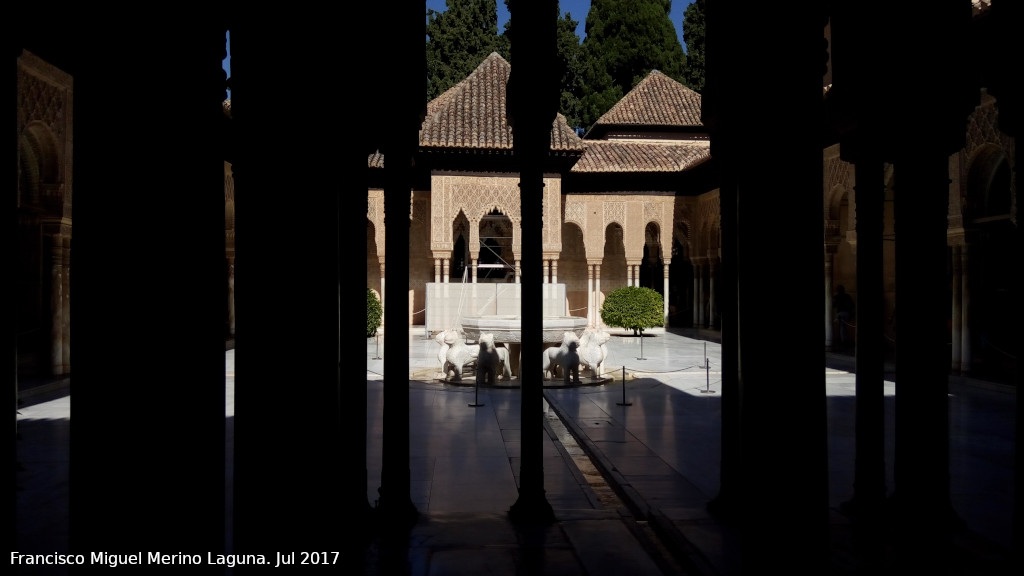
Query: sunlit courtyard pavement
pixel 656 435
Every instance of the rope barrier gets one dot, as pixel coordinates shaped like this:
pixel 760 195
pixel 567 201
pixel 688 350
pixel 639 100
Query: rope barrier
pixel 642 371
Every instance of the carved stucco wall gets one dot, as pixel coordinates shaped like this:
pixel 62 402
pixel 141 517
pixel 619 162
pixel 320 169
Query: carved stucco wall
pixel 982 133
pixel 421 261
pixel 374 237
pixel 475 196
pixel 45 116
pixel 707 211
pixel 593 213
pixel 683 216
pixel 45 141
pixel 229 211
pixel 375 215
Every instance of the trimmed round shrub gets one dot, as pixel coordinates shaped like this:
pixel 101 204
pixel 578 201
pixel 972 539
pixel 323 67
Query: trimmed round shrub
pixel 633 308
pixel 374 312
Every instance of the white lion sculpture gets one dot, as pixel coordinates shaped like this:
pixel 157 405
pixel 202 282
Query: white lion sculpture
pixel 563 357
pixel 490 359
pixel 442 352
pixel 454 354
pixel 487 361
pixel 593 350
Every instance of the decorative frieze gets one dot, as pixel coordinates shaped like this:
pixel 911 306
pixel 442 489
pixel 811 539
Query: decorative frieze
pixel 476 195
pixel 40 99
pixel 837 173
pixel 614 213
pixel 576 212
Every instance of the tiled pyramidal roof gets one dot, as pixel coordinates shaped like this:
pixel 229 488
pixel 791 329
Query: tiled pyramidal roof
pixel 639 156
pixel 657 100
pixel 658 106
pixel 472 114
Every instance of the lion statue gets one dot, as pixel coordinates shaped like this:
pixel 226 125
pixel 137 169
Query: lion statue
pixel 563 358
pixel 442 352
pixel 454 354
pixel 490 359
pixel 487 361
pixel 593 350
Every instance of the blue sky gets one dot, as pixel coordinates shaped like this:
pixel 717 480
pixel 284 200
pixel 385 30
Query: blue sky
pixel 579 9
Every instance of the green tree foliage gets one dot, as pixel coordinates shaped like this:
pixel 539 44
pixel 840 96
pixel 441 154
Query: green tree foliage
pixel 693 35
pixel 374 312
pixel 458 40
pixel 626 39
pixel 568 46
pixel 633 308
pixel 569 52
pixel 505 39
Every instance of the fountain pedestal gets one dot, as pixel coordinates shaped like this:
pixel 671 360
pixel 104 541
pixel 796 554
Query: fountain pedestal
pixel 506 329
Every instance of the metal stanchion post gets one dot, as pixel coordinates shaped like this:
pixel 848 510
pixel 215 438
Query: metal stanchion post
pixel 476 396
pixel 707 370
pixel 624 403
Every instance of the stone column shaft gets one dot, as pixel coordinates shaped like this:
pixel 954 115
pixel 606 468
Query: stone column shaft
pixel 56 306
pixel 829 259
pixel 712 271
pixel 957 320
pixel 966 357
pixel 665 290
pixel 697 281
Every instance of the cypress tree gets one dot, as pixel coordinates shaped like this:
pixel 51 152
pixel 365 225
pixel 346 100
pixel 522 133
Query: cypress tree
pixel 458 40
pixel 693 35
pixel 626 39
pixel 569 51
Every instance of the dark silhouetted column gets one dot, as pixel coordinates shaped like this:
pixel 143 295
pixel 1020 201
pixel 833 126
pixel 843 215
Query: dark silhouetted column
pixel 9 257
pixel 783 467
pixel 290 461
pixel 405 87
pixel 868 503
pixel 533 104
pixel 147 450
pixel 723 505
pixel 923 509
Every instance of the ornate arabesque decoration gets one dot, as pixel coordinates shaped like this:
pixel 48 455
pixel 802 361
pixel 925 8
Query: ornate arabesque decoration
pixel 476 196
pixel 551 235
pixel 682 217
pixel 229 207
pixel 708 209
pixel 375 215
pixel 44 120
pixel 659 211
pixel 42 101
pixel 614 213
pixel 837 175
pixel 983 129
pixel 576 213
